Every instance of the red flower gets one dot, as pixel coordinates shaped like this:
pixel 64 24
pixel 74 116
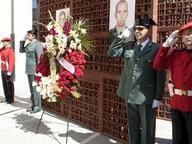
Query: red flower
pixel 73 88
pixel 75 81
pixel 53 32
pixel 67 81
pixel 43 66
pixel 67 28
pixel 38 79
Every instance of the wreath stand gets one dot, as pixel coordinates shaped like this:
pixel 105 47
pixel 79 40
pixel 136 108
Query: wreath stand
pixel 68 119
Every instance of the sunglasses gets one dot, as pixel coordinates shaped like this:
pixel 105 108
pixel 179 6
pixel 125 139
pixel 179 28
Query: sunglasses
pixel 139 28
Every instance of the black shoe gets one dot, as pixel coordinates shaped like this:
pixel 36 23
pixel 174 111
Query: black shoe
pixel 9 102
pixel 35 110
pixel 32 112
pixel 29 110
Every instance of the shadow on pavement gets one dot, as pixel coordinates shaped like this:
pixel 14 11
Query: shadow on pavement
pixel 163 141
pixel 82 137
pixel 29 124
pixel 77 136
pixel 21 105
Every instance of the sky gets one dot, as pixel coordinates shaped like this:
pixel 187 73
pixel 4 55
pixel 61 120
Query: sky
pixel 34 3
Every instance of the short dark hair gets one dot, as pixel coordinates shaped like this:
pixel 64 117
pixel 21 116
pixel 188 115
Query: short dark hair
pixel 33 32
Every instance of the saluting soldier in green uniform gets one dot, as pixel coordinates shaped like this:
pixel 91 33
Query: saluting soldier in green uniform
pixel 141 85
pixel 33 49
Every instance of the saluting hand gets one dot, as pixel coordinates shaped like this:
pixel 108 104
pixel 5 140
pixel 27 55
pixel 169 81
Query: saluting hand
pixel 127 32
pixel 172 39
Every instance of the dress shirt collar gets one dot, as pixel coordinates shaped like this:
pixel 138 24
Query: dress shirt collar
pixel 143 43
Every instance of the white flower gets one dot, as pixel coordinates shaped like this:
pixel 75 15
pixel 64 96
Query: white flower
pixel 70 50
pixel 43 97
pixel 72 33
pixel 49 26
pixel 39 74
pixel 79 46
pixel 58 28
pixel 57 77
pixel 54 99
pixel 42 92
pixel 61 49
pixel 46 88
pixel 73 44
pixel 44 44
pixel 49 100
pixel 80 22
pixel 77 40
pixel 49 42
pixel 83 31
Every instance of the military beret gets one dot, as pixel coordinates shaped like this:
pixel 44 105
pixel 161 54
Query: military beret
pixel 185 27
pixel 6 39
pixel 148 22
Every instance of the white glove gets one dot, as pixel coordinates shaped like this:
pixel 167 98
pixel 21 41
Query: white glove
pixel 8 73
pixel 170 88
pixel 156 103
pixel 127 32
pixel 172 39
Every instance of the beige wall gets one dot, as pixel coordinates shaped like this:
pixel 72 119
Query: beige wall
pixel 22 23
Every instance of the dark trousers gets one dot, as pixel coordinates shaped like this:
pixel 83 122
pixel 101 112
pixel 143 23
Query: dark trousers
pixel 35 96
pixel 141 122
pixel 8 87
pixel 181 127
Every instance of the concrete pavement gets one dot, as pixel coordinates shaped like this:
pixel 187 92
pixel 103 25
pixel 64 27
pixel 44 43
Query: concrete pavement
pixel 18 127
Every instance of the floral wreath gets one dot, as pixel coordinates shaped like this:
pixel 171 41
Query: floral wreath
pixel 63 60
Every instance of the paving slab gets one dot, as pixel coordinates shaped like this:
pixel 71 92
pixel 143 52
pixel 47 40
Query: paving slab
pixel 19 126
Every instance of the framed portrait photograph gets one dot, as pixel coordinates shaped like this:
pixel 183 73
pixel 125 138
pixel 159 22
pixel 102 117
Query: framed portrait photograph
pixel 122 12
pixel 62 14
pixel 122 15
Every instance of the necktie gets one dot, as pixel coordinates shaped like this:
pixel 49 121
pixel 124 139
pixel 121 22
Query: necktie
pixel 139 48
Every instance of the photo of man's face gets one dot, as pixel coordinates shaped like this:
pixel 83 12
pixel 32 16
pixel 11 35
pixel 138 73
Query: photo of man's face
pixel 61 15
pixel 121 13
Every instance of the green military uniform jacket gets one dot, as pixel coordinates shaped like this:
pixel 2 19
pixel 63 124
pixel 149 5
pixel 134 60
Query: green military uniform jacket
pixel 33 51
pixel 112 34
pixel 140 83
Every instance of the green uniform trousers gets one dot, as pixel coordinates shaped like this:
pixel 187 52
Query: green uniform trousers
pixel 141 123
pixel 35 96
